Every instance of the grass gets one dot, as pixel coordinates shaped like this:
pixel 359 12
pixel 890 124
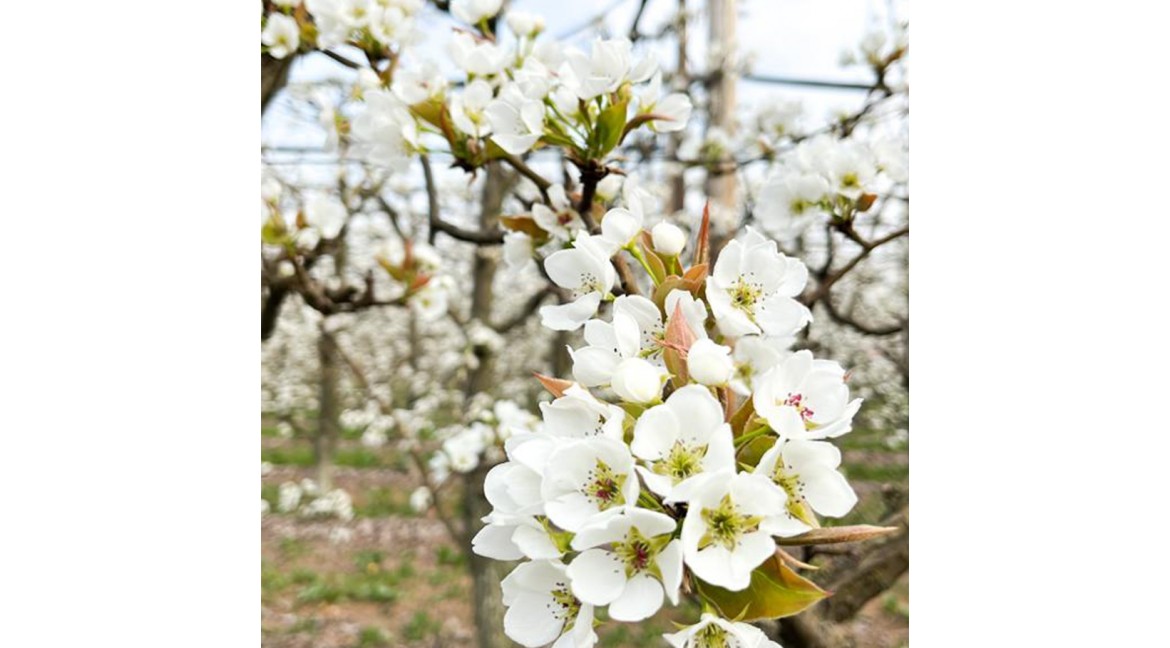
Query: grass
pixel 371 637
pixel 293 455
pixel 421 626
pixel 383 502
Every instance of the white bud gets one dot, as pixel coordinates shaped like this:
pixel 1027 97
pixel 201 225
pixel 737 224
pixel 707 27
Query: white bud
pixel 669 240
pixel 420 499
pixel 710 363
pixel 637 381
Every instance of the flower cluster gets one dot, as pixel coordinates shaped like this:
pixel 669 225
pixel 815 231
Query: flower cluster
pixel 308 500
pixel 525 93
pixel 464 447
pixel 692 439
pixel 369 24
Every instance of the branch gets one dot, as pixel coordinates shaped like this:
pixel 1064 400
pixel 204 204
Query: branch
pixel 360 376
pixel 527 311
pixel 341 59
pixel 526 171
pixel 437 224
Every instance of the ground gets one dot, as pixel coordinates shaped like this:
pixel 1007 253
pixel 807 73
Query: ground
pixel 390 577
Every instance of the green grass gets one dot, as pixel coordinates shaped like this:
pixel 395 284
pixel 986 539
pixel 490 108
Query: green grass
pixel 383 502
pixel 421 626
pixel 371 637
pixel 450 557
pixel 271 494
pixel 357 458
pixel 297 455
pixel 884 474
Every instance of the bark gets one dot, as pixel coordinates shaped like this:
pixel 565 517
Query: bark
pixel 721 187
pixel 486 573
pixel 273 77
pixel 677 182
pixel 325 438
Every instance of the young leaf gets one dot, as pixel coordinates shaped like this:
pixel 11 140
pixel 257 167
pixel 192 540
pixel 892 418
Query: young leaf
pixel 775 591
pixel 703 246
pixel 555 386
pixel 610 124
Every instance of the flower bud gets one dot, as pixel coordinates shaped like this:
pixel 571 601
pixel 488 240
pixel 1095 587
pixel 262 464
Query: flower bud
pixel 710 363
pixel 637 381
pixel 669 240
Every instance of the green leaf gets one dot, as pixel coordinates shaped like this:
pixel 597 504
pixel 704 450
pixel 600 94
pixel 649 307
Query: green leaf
pixel 610 124
pixel 775 591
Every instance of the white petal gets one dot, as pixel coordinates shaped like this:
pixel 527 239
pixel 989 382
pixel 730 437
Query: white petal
pixel 495 542
pixel 530 623
pixel 534 542
pixel 655 433
pixel 641 598
pixel 515 144
pixel 752 551
pixel 670 563
pixel 598 577
pixel 593 366
pixel 698 412
pixel 828 492
pixel 570 316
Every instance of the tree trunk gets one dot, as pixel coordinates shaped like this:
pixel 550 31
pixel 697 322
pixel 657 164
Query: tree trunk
pixel 677 181
pixel 273 77
pixel 486 573
pixel 721 185
pixel 325 439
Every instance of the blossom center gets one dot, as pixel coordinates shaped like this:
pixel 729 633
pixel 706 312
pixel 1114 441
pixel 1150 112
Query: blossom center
pixel 637 552
pixel 726 525
pixel 711 636
pixel 682 461
pixel 797 401
pixel 744 294
pixel 604 486
pixel 563 605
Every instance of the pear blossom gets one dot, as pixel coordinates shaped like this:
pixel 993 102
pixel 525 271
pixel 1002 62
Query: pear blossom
pixel 386 132
pixel 523 23
pixel 628 561
pixel 668 239
pixel 586 271
pixel 753 356
pixel 558 218
pixel 587 476
pixel 473 11
pixel 421 499
pixel 729 525
pixel 710 363
pixel 681 438
pixel 417 84
pixel 788 201
pixel 753 286
pixel 807 471
pixel 542 608
pixel 670 112
pixel 517 122
pixel 620 226
pixel 281 34
pixel 517 250
pixel 326 214
pixel 430 302
pixel 637 331
pixel 814 391
pixel 468 110
pixel 477 57
pixel 578 415
pixel 604 69
pixel 638 381
pixel 712 631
